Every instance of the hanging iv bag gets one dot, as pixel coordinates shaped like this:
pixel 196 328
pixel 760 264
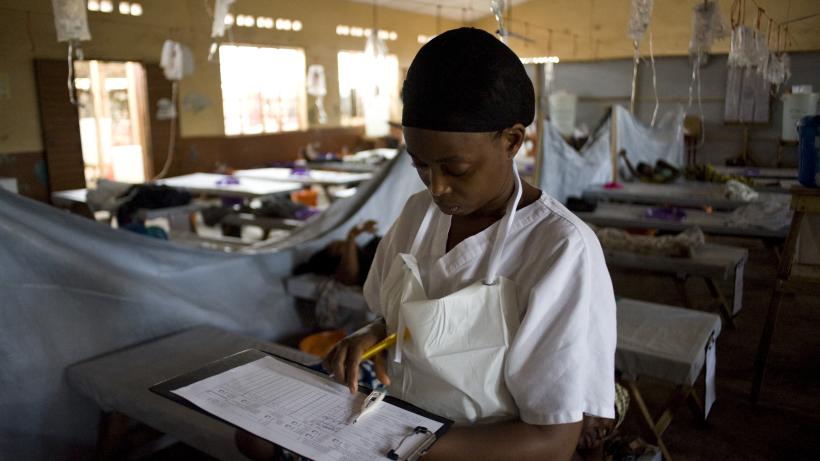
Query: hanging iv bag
pixel 70 20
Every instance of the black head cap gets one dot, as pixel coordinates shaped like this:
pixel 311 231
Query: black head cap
pixel 466 80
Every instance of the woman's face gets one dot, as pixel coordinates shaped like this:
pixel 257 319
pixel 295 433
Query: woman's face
pixel 465 172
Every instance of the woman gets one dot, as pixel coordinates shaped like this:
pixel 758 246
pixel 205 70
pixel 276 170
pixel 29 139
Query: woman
pixel 503 293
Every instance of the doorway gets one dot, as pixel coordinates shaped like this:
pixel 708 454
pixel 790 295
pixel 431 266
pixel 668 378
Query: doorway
pixel 112 99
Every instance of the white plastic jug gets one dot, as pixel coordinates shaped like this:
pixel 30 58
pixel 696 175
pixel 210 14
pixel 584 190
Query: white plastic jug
pixel 795 107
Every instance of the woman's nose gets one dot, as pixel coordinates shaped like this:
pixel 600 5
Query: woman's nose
pixel 438 184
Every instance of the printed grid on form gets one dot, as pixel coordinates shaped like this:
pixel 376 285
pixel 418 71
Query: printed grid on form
pixel 303 411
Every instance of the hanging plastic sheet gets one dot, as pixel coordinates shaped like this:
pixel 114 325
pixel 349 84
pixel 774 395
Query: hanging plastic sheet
pixel 707 26
pixel 317 88
pixel 751 48
pixel 70 20
pixel 639 20
pixel 221 10
pixel 741 47
pixel 71 23
pixel 176 60
pixel 498 7
pixel 641 15
pixel 92 289
pixel 566 172
pixel 747 96
pixel 377 96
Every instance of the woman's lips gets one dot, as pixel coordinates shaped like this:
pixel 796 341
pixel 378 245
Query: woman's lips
pixel 448 208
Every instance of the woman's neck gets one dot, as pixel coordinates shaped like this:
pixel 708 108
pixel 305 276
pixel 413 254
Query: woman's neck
pixel 464 227
pixel 497 207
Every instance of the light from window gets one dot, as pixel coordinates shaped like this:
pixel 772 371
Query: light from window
pixel 363 83
pixel 263 89
pixel 355 31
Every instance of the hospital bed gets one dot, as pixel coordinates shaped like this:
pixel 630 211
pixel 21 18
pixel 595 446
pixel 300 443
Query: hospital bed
pixel 711 262
pixel 224 186
pixel 758 173
pixel 689 194
pixel 322 178
pixel 629 216
pixel 672 345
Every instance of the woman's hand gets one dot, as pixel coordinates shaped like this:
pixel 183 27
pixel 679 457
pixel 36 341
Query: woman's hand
pixel 343 360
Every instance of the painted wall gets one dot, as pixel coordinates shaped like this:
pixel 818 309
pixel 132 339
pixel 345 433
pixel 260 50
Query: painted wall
pixel 28 32
pixel 601 26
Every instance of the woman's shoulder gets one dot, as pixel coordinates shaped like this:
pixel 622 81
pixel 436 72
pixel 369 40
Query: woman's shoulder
pixel 404 228
pixel 551 221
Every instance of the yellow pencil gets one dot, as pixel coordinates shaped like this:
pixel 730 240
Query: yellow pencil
pixel 382 345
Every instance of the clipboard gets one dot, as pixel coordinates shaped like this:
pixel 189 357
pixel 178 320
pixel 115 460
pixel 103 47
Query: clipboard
pixel 411 447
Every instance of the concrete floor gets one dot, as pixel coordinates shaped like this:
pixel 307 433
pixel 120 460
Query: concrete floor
pixel 785 424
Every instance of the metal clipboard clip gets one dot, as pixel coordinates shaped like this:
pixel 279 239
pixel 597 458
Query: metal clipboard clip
pixel 413 445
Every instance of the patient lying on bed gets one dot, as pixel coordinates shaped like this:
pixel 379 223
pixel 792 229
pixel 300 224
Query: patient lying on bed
pixel 345 260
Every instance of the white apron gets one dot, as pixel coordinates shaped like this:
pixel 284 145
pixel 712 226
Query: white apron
pixel 452 363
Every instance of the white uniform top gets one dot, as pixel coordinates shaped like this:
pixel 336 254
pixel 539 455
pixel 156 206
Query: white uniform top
pixel 561 363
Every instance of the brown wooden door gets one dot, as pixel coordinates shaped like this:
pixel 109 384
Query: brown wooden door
pixel 60 125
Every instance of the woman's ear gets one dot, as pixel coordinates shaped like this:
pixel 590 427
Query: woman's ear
pixel 513 137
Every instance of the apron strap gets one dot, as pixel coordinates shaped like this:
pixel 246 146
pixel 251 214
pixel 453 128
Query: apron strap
pixel 425 224
pixel 502 231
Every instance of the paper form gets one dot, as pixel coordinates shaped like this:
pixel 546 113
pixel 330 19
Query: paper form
pixel 302 411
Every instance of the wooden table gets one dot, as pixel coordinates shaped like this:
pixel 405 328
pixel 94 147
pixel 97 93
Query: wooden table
pixel 794 275
pixel 626 216
pixel 688 194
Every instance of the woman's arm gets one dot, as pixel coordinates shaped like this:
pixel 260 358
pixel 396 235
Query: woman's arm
pixel 507 440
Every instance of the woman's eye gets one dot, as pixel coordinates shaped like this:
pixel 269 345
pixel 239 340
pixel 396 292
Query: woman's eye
pixel 456 171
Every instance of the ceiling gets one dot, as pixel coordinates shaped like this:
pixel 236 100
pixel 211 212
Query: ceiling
pixel 456 10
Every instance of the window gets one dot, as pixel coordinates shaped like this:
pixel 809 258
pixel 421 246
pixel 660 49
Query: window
pixel 358 75
pixel 263 89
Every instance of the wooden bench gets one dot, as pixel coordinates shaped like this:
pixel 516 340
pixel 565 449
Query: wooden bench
pixel 666 343
pixel 713 263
